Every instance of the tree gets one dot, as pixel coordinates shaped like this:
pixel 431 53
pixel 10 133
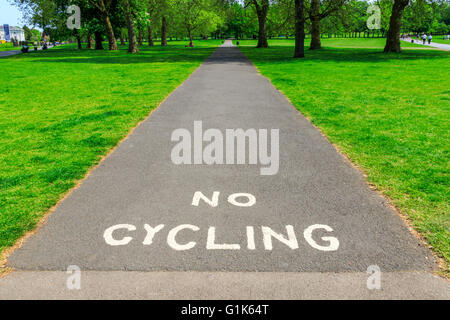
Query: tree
pixel 164 30
pixel 104 6
pixel 90 41
pixel 152 12
pixel 317 11
pixel 27 32
pixel 299 51
pixel 35 36
pixel 426 16
pixel 98 40
pixel 40 13
pixel 239 21
pixel 132 44
pixel 196 16
pixel 280 19
pixel 393 35
pixel 261 9
pixel 141 15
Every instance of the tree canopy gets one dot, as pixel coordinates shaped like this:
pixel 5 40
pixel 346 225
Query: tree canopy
pixel 254 19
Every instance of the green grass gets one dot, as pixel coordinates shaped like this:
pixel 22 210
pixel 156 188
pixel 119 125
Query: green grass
pixel 440 40
pixel 388 112
pixel 337 43
pixel 8 46
pixel 62 109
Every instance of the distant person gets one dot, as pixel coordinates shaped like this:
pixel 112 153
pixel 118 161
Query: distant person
pixel 430 37
pixel 424 38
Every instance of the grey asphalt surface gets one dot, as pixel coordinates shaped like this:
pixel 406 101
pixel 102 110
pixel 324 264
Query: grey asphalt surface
pixel 9 53
pixel 14 52
pixel 138 184
pixel 43 285
pixel 441 46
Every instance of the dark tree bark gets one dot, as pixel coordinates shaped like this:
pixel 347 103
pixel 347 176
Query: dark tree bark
pixel 90 41
pixel 315 25
pixel 164 31
pixel 191 42
pixel 109 29
pixel 318 11
pixel 393 35
pixel 98 41
pixel 140 36
pixel 261 12
pixel 299 30
pixel 150 36
pixel 132 43
pixel 78 36
pixel 122 39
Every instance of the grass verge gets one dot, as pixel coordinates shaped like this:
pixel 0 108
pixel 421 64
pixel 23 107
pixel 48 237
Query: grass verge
pixel 338 43
pixel 62 109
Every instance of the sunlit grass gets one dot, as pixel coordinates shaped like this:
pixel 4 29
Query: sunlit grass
pixel 388 112
pixel 62 109
pixel 336 43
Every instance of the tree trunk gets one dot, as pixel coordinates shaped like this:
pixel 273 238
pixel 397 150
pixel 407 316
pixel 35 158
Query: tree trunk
pixel 122 39
pixel 140 36
pixel 98 41
pixel 191 43
pixel 150 36
pixel 261 12
pixel 108 26
pixel 393 35
pixel 164 32
pixel 299 30
pixel 315 34
pixel 78 36
pixel 315 25
pixel 132 43
pixel 90 41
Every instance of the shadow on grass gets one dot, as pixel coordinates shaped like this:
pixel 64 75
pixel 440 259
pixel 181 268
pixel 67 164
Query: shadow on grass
pixel 276 54
pixel 146 55
pixel 179 53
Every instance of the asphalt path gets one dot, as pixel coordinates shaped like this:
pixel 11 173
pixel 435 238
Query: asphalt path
pixel 437 45
pixel 14 52
pixel 9 53
pixel 316 216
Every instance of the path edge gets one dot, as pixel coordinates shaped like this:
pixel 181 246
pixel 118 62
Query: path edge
pixel 4 269
pixel 442 271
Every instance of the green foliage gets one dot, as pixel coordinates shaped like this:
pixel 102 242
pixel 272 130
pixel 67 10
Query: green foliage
pixel 196 16
pixel 35 36
pixel 240 22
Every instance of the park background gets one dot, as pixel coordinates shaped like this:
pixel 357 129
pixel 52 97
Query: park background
pixel 63 109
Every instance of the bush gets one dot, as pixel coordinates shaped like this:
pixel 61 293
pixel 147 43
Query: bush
pixel 6 45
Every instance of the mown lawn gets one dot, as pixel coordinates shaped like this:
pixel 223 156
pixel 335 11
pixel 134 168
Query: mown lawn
pixel 388 112
pixel 8 47
pixel 438 39
pixel 337 43
pixel 62 109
